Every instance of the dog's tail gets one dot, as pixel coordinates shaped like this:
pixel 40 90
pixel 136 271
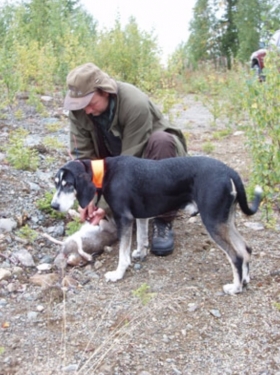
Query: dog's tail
pixel 248 209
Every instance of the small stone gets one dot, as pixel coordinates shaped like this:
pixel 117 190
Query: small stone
pixel 17 270
pixel 46 259
pixel 254 226
pixel 40 308
pixel 32 315
pixel 215 313
pixel 97 265
pixel 45 280
pixel 70 368
pixel 24 257
pixel 44 267
pixel 5 274
pixel 108 249
pixel 165 339
pixel 137 266
pixel 11 288
pixel 238 132
pixel 34 187
pixel 46 98
pixel 3 302
pixel 192 307
pixel 7 225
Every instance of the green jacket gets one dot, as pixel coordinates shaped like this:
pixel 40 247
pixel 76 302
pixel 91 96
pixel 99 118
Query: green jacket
pixel 135 119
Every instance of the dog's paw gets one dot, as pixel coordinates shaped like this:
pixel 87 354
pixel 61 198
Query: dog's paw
pixel 139 254
pixel 113 276
pixel 232 289
pixel 246 280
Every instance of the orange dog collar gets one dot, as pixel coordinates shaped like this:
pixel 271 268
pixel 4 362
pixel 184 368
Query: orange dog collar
pixel 97 167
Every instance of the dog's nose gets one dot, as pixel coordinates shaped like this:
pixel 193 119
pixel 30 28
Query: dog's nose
pixel 55 206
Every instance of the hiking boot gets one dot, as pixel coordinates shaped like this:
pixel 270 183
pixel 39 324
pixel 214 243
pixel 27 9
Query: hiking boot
pixel 163 238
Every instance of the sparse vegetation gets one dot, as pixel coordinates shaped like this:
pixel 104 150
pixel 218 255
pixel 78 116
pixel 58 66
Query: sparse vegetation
pixel 44 204
pixel 18 154
pixel 27 233
pixel 53 143
pixel 208 147
pixel 73 226
pixel 143 293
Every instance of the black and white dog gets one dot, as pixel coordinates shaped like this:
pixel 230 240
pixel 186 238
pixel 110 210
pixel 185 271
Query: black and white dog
pixel 142 189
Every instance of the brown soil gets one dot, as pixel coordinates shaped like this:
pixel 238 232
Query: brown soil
pixel 167 316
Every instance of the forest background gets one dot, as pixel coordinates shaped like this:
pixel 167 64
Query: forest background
pixel 42 41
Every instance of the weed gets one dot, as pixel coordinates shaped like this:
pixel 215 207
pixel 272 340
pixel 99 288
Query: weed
pixel 221 134
pixel 44 204
pixel 19 115
pixel 143 293
pixel 19 155
pixel 208 147
pixel 53 127
pixel 263 132
pixel 27 233
pixel 277 305
pixel 53 143
pixel 73 226
pixel 50 160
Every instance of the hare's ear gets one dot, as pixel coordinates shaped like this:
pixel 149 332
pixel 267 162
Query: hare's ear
pixel 85 190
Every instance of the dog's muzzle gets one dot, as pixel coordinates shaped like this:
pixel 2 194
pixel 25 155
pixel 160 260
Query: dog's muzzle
pixel 55 206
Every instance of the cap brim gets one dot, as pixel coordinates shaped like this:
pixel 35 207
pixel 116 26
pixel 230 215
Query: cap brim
pixel 74 104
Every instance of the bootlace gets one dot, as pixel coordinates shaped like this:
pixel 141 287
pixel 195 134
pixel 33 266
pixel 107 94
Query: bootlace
pixel 161 229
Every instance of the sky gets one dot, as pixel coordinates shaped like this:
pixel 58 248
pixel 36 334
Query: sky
pixel 168 19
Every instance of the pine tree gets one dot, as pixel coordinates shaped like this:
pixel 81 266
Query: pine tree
pixel 199 44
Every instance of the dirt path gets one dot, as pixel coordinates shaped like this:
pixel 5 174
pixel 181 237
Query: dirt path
pixel 167 316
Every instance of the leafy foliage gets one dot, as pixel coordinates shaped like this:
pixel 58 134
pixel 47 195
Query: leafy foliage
pixel 73 226
pixel 143 293
pixel 19 155
pixel 230 29
pixel 262 103
pixel 44 204
pixel 129 54
pixel 27 233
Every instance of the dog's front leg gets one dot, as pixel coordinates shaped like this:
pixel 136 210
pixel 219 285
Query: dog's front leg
pixel 124 255
pixel 142 239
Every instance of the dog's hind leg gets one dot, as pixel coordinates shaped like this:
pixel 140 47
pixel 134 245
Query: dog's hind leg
pixel 232 243
pixel 124 252
pixel 142 239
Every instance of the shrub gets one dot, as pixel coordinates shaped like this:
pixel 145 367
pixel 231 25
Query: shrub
pixel 19 155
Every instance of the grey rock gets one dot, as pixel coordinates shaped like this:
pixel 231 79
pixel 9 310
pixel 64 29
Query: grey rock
pixel 70 368
pixel 32 315
pixel 24 258
pixel 7 225
pixel 216 313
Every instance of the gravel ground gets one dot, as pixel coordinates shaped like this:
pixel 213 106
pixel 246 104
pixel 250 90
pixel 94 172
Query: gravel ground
pixel 167 316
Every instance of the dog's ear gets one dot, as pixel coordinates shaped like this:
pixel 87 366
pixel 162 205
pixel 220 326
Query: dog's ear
pixel 85 189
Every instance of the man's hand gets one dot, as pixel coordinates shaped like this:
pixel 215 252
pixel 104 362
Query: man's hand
pixel 91 214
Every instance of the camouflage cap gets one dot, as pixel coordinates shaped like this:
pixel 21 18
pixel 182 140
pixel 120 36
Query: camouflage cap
pixel 82 83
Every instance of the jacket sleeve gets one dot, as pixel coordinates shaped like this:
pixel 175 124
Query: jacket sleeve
pixel 81 143
pixel 137 123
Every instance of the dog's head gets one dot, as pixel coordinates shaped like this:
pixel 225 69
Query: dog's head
pixel 73 181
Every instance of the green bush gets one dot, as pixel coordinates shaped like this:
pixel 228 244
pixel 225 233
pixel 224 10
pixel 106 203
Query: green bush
pixel 19 155
pixel 263 131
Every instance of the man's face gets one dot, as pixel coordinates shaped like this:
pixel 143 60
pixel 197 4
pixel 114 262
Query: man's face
pixel 98 104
